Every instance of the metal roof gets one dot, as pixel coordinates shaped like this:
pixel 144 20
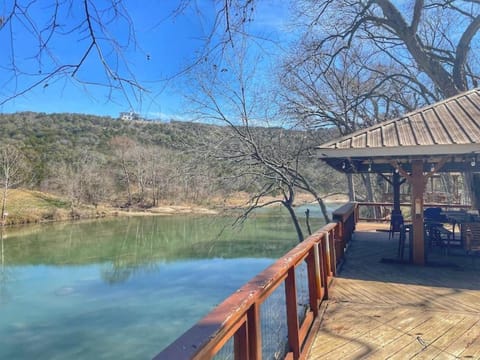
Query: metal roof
pixel 450 127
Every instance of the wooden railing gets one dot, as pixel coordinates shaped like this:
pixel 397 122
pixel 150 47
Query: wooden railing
pixel 346 217
pixel 389 206
pixel 239 316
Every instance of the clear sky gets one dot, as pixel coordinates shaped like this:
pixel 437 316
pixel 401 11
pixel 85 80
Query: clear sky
pixel 165 45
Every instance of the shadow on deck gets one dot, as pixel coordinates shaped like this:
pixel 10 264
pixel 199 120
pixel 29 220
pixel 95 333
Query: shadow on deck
pixel 382 310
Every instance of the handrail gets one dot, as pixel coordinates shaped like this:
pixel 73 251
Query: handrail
pixel 447 206
pixel 238 317
pixel 347 217
pixel 390 204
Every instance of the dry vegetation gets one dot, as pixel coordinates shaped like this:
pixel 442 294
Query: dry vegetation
pixel 98 166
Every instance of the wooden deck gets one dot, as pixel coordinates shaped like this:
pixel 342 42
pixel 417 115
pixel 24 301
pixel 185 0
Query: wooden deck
pixel 383 310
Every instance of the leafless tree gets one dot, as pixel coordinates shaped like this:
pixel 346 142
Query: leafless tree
pixel 438 39
pixel 83 180
pixel 230 94
pixel 86 27
pixel 154 169
pixel 345 95
pixel 13 171
pixel 123 147
pixel 98 182
pixel 99 33
pixel 360 62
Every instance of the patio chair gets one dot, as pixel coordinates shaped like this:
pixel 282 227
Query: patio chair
pixel 471 237
pixel 434 215
pixel 436 234
pixel 396 224
pixel 405 238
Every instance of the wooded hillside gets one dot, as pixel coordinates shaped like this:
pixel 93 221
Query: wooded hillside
pixel 92 160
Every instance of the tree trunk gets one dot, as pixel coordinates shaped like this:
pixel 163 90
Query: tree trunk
pixel 3 249
pixel 294 218
pixel 351 188
pixel 4 201
pixel 367 181
pixel 127 179
pixel 323 207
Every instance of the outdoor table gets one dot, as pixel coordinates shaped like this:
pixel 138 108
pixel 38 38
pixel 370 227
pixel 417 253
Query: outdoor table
pixel 457 218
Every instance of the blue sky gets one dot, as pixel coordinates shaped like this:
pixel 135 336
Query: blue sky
pixel 165 46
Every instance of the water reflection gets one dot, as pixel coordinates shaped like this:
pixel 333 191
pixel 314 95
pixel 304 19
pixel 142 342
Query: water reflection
pixel 138 240
pixel 124 288
pixel 3 275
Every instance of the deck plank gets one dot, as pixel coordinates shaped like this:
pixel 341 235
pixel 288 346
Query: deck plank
pixel 385 310
pixel 459 338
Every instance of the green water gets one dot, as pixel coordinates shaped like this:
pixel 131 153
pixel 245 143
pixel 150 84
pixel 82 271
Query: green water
pixel 124 288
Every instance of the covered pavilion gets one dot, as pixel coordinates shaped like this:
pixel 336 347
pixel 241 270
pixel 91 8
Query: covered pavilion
pixel 443 137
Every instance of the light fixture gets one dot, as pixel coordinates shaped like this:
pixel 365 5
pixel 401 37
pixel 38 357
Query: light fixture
pixel 473 162
pixel 432 168
pixel 343 165
pixel 370 166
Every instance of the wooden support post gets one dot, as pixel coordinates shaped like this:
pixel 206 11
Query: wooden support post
pixel 240 343
pixel 332 259
pixel 417 181
pixel 313 269
pixel 292 317
pixel 325 271
pixel 254 333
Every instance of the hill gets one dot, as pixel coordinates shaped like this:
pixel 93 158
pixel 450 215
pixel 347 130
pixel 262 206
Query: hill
pixel 91 160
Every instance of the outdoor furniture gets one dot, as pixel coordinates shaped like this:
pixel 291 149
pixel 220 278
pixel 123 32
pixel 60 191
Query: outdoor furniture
pixel 437 235
pixel 471 235
pixel 458 218
pixel 403 238
pixel 396 222
pixel 434 214
pixel 449 143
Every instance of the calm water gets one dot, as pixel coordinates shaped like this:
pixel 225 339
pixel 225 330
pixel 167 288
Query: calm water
pixel 124 288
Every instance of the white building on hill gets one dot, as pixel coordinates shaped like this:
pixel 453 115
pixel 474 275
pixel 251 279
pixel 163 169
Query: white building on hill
pixel 129 116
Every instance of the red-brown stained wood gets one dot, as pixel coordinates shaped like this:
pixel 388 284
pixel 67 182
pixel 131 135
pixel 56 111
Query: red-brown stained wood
pixel 239 317
pixel 230 318
pixel 240 343
pixel 254 333
pixel 417 181
pixel 313 273
pixel 292 318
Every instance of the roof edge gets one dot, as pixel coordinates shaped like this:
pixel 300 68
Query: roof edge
pixel 427 150
pixel 332 144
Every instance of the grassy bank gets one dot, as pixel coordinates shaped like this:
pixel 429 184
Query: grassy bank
pixel 28 206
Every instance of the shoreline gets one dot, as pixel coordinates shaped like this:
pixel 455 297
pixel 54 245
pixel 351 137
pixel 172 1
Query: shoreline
pixel 41 215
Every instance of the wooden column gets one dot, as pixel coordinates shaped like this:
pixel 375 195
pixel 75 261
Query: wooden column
pixel 396 192
pixel 417 181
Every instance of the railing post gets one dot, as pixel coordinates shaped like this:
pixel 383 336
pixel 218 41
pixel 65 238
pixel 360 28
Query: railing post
pixel 240 343
pixel 323 258
pixel 339 244
pixel 332 253
pixel 292 317
pixel 254 333
pixel 238 316
pixel 356 212
pixel 331 266
pixel 313 269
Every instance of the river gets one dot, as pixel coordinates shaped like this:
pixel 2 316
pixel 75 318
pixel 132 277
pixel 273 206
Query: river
pixel 124 288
